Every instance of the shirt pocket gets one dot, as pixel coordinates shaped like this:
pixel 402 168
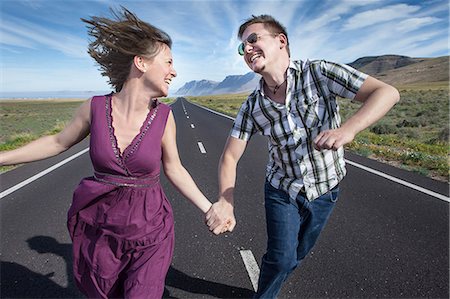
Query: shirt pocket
pixel 310 109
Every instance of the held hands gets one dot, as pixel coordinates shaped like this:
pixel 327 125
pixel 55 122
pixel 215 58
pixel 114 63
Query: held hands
pixel 220 217
pixel 333 139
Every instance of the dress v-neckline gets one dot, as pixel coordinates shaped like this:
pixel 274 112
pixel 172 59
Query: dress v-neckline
pixel 121 155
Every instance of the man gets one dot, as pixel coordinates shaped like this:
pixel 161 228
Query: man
pixel 295 106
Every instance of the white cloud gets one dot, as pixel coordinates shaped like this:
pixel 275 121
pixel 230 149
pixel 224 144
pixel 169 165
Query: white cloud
pixel 379 15
pixel 431 49
pixel 204 35
pixel 415 23
pixel 386 43
pixel 10 39
pixel 68 44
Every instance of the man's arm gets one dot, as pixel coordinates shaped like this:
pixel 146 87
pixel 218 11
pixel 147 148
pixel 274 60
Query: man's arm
pixel 220 216
pixel 377 98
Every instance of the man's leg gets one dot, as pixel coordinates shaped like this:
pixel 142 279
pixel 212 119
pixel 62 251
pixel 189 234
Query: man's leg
pixel 315 216
pixel 292 229
pixel 283 224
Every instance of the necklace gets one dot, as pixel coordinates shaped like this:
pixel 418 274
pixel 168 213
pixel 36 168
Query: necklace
pixel 276 87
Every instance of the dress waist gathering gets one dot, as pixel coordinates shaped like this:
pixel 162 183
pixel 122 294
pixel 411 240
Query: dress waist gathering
pixel 127 181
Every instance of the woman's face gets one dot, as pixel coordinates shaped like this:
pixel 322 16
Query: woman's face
pixel 160 71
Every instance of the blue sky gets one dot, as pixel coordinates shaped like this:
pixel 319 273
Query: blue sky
pixel 43 43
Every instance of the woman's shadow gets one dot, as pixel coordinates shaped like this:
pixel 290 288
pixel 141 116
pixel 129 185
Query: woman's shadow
pixel 18 281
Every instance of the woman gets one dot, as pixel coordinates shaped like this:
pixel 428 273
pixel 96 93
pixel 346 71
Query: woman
pixel 120 221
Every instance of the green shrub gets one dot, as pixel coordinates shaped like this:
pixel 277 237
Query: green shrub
pixel 383 129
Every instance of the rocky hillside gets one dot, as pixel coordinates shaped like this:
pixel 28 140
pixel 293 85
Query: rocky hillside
pixel 402 70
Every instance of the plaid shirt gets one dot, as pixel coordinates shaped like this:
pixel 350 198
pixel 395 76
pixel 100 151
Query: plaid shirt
pixel 310 107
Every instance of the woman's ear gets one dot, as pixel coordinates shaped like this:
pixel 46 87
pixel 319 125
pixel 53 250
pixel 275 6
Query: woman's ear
pixel 140 64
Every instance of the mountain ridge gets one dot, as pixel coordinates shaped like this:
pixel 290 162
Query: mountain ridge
pixel 392 69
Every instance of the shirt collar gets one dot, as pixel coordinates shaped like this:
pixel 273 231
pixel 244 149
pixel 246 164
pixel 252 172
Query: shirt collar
pixel 294 65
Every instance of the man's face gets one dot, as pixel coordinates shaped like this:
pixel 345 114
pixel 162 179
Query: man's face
pixel 259 54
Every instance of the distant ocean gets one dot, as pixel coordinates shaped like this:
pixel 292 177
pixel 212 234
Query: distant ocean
pixel 45 95
pixel 42 95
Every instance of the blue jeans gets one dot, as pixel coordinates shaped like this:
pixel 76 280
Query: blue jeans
pixel 293 227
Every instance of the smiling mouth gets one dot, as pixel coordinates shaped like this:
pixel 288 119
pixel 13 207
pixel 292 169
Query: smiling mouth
pixel 254 57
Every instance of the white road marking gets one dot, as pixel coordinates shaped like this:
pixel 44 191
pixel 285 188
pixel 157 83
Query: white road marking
pixel 192 126
pixel 201 147
pixel 187 116
pixel 389 177
pixel 252 267
pixel 41 174
pixel 210 110
pixel 402 182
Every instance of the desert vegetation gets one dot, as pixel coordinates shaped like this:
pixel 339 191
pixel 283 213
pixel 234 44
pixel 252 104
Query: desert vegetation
pixel 413 135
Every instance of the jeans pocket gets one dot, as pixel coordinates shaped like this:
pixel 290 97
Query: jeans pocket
pixel 334 194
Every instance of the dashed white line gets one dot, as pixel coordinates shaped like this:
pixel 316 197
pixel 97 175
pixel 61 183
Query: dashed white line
pixel 187 116
pixel 192 126
pixel 201 147
pixel 252 267
pixel 41 174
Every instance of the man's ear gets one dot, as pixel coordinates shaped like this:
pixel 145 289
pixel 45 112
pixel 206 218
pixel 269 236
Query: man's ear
pixel 283 40
pixel 140 64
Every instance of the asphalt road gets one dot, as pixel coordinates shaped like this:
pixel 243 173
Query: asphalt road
pixel 384 239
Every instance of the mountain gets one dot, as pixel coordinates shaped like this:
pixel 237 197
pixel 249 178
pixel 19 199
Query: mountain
pixel 393 69
pixel 377 64
pixel 402 70
pixel 201 87
pixel 231 84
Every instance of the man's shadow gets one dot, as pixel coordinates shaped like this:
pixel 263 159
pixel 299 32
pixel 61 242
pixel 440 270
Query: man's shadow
pixel 18 281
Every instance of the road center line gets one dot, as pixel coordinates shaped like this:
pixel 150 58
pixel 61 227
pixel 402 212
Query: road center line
pixel 376 172
pixel 201 147
pixel 252 267
pixel 192 126
pixel 41 174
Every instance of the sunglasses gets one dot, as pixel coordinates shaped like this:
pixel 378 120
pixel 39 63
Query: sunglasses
pixel 251 39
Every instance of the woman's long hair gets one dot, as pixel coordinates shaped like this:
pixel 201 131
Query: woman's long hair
pixel 117 41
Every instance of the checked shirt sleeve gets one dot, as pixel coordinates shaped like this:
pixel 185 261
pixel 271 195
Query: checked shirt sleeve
pixel 243 127
pixel 341 79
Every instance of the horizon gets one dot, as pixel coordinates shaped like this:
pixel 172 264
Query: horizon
pixel 44 43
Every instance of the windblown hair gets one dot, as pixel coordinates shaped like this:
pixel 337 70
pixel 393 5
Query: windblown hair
pixel 269 23
pixel 117 41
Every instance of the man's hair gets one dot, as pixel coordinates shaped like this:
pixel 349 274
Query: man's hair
pixel 117 41
pixel 269 23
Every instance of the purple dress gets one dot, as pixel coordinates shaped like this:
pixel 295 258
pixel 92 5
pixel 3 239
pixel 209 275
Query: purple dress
pixel 120 221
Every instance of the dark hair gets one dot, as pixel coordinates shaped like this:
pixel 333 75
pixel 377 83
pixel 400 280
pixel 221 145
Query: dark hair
pixel 269 23
pixel 118 41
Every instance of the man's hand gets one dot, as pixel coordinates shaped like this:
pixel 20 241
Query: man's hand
pixel 333 139
pixel 220 217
